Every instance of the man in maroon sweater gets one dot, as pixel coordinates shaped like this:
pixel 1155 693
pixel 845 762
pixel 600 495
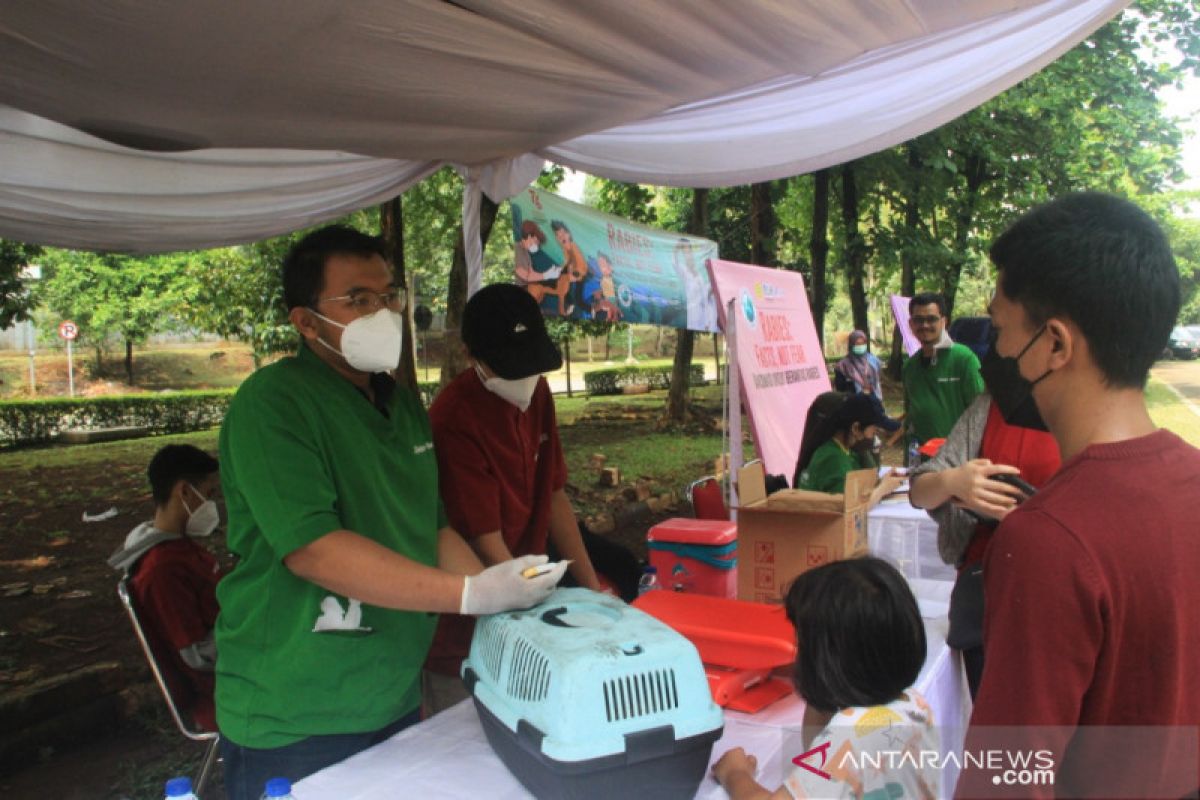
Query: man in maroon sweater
pixel 1092 620
pixel 173 578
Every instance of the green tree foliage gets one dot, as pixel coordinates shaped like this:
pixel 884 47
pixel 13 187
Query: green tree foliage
pixel 111 297
pixel 237 292
pixel 16 300
pixel 1184 233
pixel 432 228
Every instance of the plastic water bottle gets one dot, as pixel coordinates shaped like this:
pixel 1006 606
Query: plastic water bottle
pixel 278 789
pixel 914 454
pixel 649 581
pixel 179 789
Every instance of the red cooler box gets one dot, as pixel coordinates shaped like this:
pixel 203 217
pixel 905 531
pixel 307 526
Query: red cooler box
pixel 695 555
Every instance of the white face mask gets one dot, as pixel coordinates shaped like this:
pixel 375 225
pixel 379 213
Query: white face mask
pixel 533 248
pixel 371 343
pixel 519 392
pixel 205 519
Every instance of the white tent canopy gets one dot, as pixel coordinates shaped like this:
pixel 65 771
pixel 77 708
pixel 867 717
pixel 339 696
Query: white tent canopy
pixel 146 126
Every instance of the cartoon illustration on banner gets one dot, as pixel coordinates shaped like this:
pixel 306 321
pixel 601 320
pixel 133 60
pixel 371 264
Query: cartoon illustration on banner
pixel 583 264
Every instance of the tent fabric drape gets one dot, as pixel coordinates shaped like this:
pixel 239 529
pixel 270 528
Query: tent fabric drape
pixel 145 126
pixel 799 124
pixel 65 188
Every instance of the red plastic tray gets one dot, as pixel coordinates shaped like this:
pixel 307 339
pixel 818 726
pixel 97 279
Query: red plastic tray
pixel 748 690
pixel 726 632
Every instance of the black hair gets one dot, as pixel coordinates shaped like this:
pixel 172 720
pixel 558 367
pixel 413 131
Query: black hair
pixel 174 463
pixel 304 265
pixel 559 225
pixel 830 413
pixel 859 635
pixel 1105 264
pixel 926 299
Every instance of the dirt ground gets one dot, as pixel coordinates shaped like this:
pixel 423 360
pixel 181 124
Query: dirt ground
pixel 59 612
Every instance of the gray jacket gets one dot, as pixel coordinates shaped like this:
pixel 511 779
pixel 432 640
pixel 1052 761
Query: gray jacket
pixel 955 526
pixel 137 544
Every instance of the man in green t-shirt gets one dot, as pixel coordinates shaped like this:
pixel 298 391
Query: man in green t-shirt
pixel 942 379
pixel 344 555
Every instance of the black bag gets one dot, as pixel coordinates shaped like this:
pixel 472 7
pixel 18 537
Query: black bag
pixel 966 608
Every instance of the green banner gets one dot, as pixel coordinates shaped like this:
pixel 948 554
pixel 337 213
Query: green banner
pixel 584 264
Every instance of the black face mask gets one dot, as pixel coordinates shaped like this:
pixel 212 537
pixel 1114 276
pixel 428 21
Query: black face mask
pixel 1012 393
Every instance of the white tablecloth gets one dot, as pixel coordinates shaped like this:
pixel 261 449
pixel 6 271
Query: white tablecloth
pixel 448 756
pixel 907 537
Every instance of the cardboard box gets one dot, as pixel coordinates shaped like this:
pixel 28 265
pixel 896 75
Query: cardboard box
pixel 792 531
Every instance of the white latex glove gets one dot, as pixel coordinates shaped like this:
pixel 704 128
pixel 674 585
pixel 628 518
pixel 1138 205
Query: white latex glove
pixel 502 587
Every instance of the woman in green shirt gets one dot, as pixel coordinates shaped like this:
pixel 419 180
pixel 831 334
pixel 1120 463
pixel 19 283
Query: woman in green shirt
pixel 839 440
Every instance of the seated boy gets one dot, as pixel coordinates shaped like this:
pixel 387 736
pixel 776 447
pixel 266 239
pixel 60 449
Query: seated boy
pixel 173 579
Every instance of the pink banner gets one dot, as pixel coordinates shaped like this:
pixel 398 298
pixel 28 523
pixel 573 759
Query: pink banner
pixel 777 354
pixel 900 312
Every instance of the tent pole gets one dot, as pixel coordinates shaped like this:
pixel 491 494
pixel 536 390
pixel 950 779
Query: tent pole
pixel 733 391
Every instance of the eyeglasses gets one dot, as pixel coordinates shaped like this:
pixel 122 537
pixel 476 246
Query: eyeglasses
pixel 925 320
pixel 364 300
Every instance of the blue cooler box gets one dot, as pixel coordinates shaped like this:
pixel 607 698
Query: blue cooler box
pixel 587 697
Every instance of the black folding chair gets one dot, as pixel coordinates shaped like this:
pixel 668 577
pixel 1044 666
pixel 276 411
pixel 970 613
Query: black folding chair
pixel 212 737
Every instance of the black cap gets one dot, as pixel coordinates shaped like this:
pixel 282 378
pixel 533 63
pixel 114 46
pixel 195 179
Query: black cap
pixel 502 326
pixel 866 409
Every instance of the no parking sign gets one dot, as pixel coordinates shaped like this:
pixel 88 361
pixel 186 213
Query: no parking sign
pixel 69 330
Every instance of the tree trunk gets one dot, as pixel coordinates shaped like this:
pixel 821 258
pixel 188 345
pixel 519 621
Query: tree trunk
pixel 717 356
pixel 254 353
pixel 129 361
pixel 762 226
pixel 685 340
pixel 677 399
pixel 855 249
pixel 974 172
pixel 819 249
pixel 566 349
pixel 391 227
pixel 608 345
pixel 912 221
pixel 454 358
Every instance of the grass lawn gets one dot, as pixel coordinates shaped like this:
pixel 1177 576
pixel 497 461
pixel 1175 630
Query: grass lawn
pixel 1170 412
pixel 636 445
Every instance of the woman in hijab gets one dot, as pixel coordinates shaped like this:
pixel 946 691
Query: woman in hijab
pixel 858 372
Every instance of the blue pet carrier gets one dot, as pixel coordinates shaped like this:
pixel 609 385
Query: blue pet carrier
pixel 586 697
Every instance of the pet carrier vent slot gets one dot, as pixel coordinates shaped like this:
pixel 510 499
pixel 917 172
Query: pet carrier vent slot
pixel 491 645
pixel 640 695
pixel 528 673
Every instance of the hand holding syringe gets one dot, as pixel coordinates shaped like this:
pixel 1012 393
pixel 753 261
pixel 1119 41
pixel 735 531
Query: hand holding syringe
pixel 542 569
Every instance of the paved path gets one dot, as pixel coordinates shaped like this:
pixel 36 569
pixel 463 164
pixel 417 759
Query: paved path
pixel 1183 377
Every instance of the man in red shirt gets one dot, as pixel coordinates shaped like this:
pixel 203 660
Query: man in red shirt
pixel 500 464
pixel 1092 613
pixel 174 579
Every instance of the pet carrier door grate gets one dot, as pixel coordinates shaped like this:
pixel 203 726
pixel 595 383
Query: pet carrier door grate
pixel 529 673
pixel 639 695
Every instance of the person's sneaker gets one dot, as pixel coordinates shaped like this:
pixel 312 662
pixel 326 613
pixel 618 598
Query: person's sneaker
pixel 570 310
